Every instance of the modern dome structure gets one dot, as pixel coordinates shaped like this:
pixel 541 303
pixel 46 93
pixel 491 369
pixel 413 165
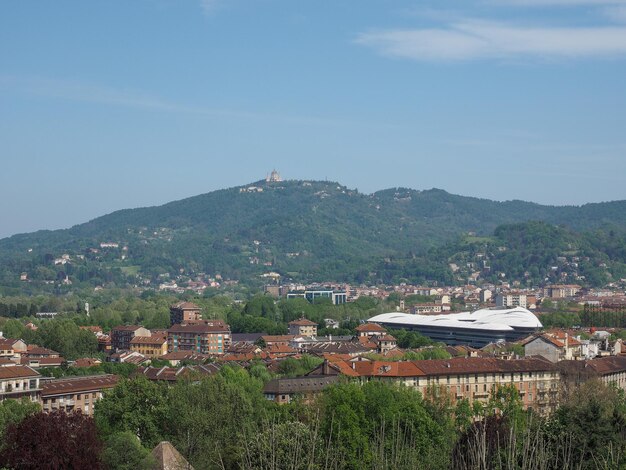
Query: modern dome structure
pixel 477 328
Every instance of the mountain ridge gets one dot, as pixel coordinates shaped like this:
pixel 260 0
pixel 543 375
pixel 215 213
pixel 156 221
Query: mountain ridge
pixel 301 228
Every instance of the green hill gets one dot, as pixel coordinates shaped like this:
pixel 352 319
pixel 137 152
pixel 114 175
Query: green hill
pixel 307 230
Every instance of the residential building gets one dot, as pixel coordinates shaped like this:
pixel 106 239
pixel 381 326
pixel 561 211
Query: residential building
pixel 208 337
pixel 426 308
pixel 303 327
pixel 471 378
pixel 369 330
pixel 511 299
pixel 283 390
pixel 175 358
pixel 75 393
pixel 184 312
pixel 561 291
pixel 122 335
pixel 19 381
pixel 554 347
pixel 172 374
pixel 12 348
pixel 384 343
pixel 610 370
pixel 152 346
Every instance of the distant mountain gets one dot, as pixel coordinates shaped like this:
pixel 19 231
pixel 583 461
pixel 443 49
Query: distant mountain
pixel 306 230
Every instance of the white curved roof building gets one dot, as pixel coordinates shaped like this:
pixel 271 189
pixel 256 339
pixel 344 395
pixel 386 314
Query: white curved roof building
pixel 477 328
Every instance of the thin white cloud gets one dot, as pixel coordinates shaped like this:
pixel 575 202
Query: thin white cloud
pixel 77 91
pixel 472 40
pixel 615 13
pixel 209 6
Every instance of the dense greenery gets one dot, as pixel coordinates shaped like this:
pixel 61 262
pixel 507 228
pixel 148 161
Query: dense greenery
pixel 303 230
pixel 223 421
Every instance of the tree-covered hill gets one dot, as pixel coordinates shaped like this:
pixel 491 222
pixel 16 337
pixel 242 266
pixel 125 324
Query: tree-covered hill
pixel 306 230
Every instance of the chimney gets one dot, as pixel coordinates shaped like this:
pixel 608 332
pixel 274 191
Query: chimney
pixel 566 340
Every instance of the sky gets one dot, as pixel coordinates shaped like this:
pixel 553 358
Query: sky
pixel 120 104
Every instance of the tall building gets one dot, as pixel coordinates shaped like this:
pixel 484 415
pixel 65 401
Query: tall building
pixel 303 327
pixel 121 336
pixel 511 299
pixel 184 312
pixel 206 337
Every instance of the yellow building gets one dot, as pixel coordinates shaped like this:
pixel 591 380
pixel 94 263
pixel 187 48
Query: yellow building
pixel 150 346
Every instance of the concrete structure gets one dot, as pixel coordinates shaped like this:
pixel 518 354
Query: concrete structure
pixel 284 390
pixel 554 347
pixel 12 349
pixel 561 291
pixel 303 327
pixel 122 335
pixel 470 378
pixel 75 393
pixel 18 382
pixel 337 297
pixel 476 329
pixel 183 312
pixel 512 299
pixel 208 337
pixel 150 346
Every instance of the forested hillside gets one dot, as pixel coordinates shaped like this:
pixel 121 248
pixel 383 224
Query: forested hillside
pixel 304 230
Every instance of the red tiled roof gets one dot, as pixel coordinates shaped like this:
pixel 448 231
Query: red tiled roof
pixel 87 362
pixel 81 384
pixel 370 327
pixel 303 322
pixel 17 372
pixel 153 340
pixel 387 369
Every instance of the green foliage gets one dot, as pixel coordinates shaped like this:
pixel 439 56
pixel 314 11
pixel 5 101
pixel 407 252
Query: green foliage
pixel 123 451
pixel 291 367
pixel 14 411
pixel 138 406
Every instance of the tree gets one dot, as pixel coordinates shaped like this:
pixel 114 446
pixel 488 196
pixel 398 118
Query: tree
pixel 123 451
pixel 14 411
pixel 56 440
pixel 136 405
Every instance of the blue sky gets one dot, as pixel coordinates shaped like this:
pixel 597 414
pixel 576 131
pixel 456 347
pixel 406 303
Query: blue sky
pixel 110 105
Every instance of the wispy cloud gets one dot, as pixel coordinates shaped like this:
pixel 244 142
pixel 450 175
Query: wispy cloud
pixel 77 91
pixel 472 40
pixel 616 13
pixel 209 6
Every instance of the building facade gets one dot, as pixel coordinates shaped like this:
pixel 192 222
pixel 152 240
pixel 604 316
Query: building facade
pixel 303 327
pixel 184 312
pixel 75 393
pixel 121 336
pixel 150 346
pixel 19 382
pixel 209 337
